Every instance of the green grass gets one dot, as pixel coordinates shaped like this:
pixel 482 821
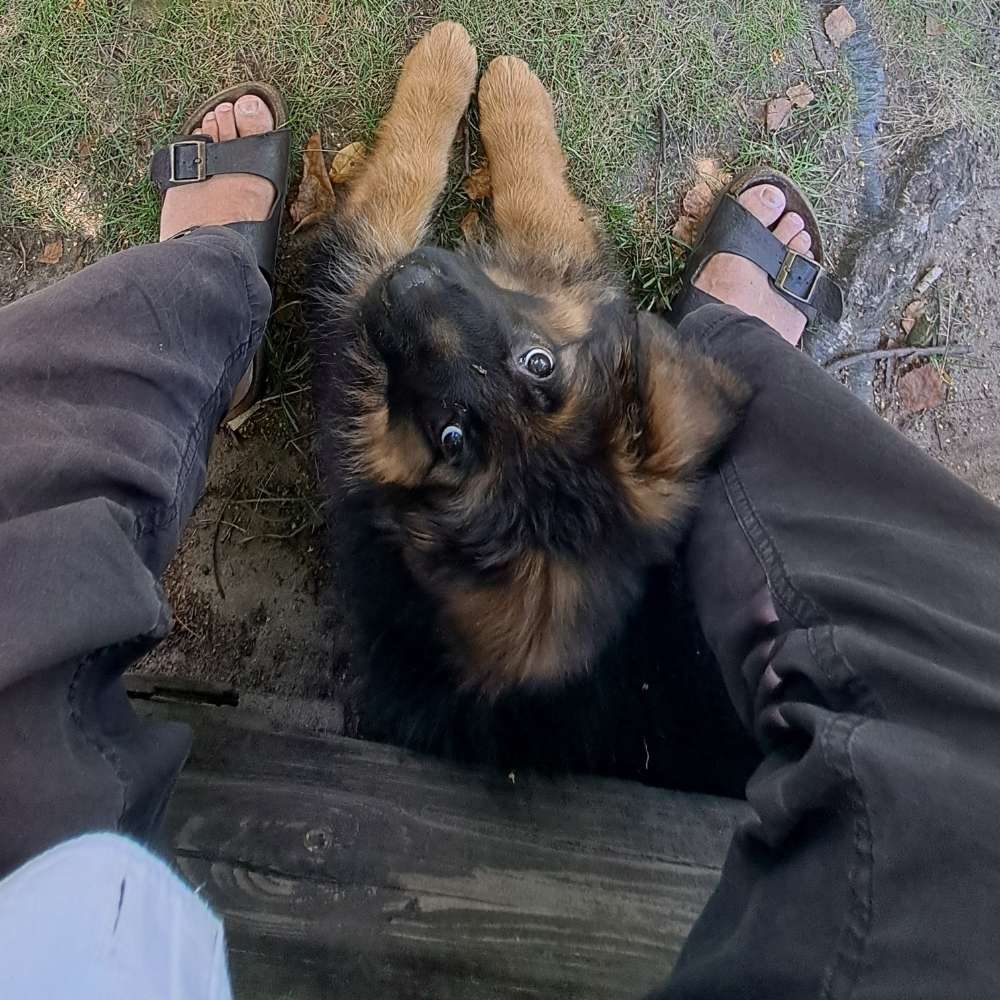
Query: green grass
pixel 91 86
pixel 89 89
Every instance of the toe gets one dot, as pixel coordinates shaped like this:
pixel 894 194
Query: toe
pixel 789 226
pixel 801 243
pixel 764 201
pixel 209 126
pixel 227 121
pixel 252 115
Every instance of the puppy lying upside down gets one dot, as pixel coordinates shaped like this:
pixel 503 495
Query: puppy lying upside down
pixel 514 453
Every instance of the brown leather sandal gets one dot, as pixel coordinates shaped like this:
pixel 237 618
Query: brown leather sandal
pixel 730 228
pixel 193 157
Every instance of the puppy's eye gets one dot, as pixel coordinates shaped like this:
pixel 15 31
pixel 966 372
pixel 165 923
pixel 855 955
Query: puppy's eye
pixel 452 441
pixel 538 362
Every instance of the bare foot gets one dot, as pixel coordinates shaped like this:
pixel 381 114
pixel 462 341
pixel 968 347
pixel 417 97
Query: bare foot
pixel 228 198
pixel 739 282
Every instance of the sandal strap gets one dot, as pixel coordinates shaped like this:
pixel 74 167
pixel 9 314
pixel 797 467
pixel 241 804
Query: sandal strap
pixel 189 159
pixel 800 280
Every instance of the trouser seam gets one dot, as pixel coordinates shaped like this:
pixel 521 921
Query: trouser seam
pixel 108 754
pixel 164 515
pixel 141 643
pixel 844 970
pixel 798 605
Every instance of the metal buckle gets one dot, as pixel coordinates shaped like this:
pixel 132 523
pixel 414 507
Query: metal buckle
pixel 200 161
pixel 786 269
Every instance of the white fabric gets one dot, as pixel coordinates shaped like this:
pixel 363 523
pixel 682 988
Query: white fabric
pixel 100 918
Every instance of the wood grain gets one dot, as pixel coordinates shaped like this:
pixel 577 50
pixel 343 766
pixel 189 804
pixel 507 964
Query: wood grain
pixel 355 869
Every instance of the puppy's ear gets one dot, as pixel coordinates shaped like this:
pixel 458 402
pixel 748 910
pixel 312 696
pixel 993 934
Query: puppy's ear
pixel 683 409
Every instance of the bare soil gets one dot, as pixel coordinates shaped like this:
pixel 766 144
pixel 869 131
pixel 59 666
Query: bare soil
pixel 964 432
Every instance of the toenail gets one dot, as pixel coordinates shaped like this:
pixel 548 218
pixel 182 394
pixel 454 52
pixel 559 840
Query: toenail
pixel 224 107
pixel 771 196
pixel 250 105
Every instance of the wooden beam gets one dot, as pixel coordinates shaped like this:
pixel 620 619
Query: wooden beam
pixel 345 868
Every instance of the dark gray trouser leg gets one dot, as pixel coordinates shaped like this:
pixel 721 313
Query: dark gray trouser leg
pixel 850 587
pixel 112 384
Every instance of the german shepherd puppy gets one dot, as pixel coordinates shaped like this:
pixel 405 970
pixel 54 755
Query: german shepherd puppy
pixel 513 454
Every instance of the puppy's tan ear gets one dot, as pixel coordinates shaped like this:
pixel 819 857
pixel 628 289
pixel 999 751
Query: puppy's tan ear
pixel 691 403
pixel 686 407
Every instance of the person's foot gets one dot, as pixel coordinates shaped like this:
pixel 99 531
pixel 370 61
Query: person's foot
pixel 230 197
pixel 741 283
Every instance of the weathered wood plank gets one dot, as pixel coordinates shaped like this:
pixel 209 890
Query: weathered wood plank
pixel 355 867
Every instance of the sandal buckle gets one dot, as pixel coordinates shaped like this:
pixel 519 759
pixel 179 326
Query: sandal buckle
pixel 785 272
pixel 200 161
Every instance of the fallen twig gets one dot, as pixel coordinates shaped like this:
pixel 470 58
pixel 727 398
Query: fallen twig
pixel 215 546
pixel 466 146
pixel 898 353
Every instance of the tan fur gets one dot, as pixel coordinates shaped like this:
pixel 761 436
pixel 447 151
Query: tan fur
pixel 535 212
pixel 684 422
pixel 392 454
pixel 406 172
pixel 522 628
pixel 567 316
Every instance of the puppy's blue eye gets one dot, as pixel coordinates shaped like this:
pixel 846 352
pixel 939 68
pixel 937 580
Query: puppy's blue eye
pixel 452 441
pixel 538 362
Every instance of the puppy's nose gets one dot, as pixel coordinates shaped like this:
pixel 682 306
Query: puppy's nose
pixel 409 281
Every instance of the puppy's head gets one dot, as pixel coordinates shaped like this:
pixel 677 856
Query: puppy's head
pixel 533 449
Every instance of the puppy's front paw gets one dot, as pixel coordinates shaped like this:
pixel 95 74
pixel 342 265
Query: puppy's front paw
pixel 440 71
pixel 510 92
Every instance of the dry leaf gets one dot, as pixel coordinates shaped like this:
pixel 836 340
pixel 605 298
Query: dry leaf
pixel 778 111
pixel 777 56
pixel 914 311
pixel 921 321
pixel 479 185
pixel 78 4
pixel 801 95
pixel 315 197
pixel 472 227
pixel 685 230
pixel 935 26
pixel 52 252
pixel 347 162
pixel 840 25
pixel 711 172
pixel 698 201
pixel 920 389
